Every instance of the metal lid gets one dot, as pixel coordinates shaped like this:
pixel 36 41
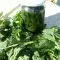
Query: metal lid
pixel 32 3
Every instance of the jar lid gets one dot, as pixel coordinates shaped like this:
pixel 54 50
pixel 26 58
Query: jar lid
pixel 32 3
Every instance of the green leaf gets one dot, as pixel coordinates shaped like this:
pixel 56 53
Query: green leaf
pixel 26 57
pixel 3 45
pixel 21 58
pixel 36 56
pixel 52 56
pixel 49 34
pixel 12 54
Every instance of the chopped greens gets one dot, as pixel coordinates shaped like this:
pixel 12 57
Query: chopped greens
pixel 18 42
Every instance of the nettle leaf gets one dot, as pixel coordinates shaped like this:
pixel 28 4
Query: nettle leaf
pixel 26 57
pixel 42 42
pixel 57 45
pixel 49 34
pixel 58 57
pixel 16 33
pixel 36 56
pixel 12 54
pixel 1 36
pixel 52 56
pixel 17 20
pixel 3 45
pixel 21 58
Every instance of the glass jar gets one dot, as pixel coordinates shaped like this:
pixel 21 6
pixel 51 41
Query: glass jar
pixel 32 13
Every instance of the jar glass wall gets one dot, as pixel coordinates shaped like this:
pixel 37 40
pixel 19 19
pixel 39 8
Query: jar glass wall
pixel 33 18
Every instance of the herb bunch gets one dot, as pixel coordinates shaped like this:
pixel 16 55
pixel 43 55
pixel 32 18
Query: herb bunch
pixel 17 43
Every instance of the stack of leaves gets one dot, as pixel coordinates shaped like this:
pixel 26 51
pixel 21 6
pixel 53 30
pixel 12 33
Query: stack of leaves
pixel 16 43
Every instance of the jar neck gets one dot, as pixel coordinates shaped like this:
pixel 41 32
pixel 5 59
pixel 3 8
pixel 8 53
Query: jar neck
pixel 32 9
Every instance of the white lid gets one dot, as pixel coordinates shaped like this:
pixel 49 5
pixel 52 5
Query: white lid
pixel 32 2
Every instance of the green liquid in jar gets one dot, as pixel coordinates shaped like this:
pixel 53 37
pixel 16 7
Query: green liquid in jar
pixel 33 21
